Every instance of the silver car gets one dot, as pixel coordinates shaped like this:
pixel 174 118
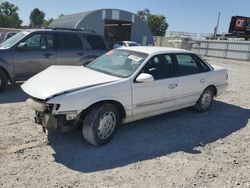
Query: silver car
pixel 31 51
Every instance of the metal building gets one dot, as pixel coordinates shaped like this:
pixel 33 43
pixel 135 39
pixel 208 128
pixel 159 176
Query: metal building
pixel 116 25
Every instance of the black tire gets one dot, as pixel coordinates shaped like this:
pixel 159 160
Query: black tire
pixel 100 119
pixel 205 100
pixel 3 80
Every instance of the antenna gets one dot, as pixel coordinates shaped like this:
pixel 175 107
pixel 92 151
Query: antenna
pixel 217 25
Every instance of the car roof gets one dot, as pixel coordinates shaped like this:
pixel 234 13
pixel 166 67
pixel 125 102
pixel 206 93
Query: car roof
pixel 128 41
pixel 61 30
pixel 155 49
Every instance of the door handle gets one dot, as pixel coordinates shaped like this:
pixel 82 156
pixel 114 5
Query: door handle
pixel 172 86
pixel 47 55
pixel 202 80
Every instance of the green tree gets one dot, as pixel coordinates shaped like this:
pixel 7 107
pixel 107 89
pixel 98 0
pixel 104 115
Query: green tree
pixel 36 18
pixel 144 14
pixel 9 15
pixel 157 23
pixel 59 16
pixel 47 22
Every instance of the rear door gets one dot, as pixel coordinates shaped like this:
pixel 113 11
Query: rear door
pixel 192 78
pixel 69 49
pixel 94 47
pixel 37 54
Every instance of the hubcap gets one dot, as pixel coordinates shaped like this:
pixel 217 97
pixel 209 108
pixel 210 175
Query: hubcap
pixel 0 81
pixel 106 125
pixel 206 99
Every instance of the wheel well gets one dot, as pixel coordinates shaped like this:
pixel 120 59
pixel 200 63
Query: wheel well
pixel 214 88
pixel 116 103
pixel 5 72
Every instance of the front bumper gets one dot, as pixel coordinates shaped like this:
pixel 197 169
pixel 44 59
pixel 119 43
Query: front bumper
pixel 50 121
pixel 55 122
pixel 47 120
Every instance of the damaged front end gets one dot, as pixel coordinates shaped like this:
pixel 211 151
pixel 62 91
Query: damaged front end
pixel 48 116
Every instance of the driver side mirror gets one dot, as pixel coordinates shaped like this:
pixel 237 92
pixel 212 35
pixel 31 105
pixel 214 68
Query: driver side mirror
pixel 144 78
pixel 21 46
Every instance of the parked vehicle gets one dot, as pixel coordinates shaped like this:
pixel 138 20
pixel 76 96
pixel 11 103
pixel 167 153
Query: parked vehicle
pixel 125 44
pixel 8 35
pixel 2 36
pixel 31 51
pixel 123 85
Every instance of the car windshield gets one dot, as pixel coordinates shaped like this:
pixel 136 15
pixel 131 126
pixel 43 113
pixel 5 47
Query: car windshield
pixel 14 39
pixel 133 44
pixel 120 63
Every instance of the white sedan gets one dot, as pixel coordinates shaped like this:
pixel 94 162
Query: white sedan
pixel 123 85
pixel 125 44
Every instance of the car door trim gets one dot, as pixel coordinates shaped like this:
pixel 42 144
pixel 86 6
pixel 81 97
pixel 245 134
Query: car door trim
pixel 150 103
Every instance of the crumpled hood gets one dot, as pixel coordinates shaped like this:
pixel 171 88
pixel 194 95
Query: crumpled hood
pixel 60 79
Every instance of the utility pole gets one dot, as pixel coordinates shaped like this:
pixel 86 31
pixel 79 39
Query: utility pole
pixel 217 25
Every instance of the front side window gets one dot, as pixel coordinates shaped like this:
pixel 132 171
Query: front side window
pixel 160 67
pixel 188 65
pixel 34 42
pixel 39 42
pixel 47 41
pixel 120 63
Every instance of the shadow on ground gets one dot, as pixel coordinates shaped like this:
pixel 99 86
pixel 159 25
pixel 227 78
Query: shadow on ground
pixel 150 138
pixel 13 93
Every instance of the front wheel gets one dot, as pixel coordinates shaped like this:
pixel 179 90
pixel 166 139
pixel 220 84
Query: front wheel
pixel 205 100
pixel 100 123
pixel 3 80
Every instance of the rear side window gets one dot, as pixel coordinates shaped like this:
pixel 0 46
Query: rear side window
pixel 68 41
pixel 188 64
pixel 95 42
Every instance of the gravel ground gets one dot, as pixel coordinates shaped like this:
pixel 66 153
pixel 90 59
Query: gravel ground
pixel 178 149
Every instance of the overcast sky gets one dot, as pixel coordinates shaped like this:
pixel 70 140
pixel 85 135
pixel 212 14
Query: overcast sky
pixel 199 16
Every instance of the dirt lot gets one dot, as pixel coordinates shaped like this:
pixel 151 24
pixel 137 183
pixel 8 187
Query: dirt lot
pixel 178 149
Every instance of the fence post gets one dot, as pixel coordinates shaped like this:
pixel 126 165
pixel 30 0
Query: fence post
pixel 248 59
pixel 226 50
pixel 207 48
pixel 161 41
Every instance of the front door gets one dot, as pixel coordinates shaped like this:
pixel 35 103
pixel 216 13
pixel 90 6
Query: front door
pixel 158 96
pixel 37 54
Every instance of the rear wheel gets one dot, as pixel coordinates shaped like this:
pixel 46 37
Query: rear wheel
pixel 3 80
pixel 100 123
pixel 205 100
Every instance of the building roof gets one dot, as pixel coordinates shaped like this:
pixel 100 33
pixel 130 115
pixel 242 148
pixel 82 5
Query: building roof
pixel 70 21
